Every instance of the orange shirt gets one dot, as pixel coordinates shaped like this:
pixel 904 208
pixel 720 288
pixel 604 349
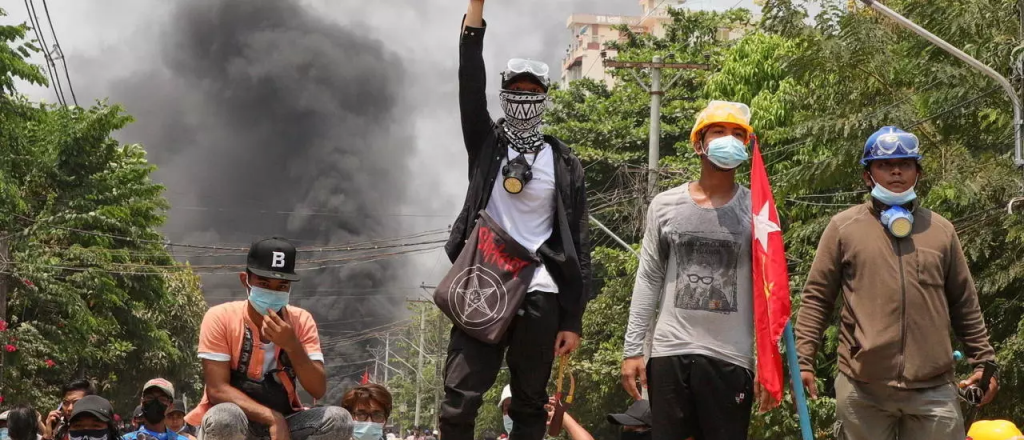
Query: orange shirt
pixel 220 339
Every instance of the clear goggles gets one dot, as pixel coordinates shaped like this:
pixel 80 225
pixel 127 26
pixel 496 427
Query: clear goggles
pixel 520 65
pixel 896 143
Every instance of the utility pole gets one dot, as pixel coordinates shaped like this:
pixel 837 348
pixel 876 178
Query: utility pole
pixel 387 356
pixel 419 368
pixel 656 91
pixel 654 144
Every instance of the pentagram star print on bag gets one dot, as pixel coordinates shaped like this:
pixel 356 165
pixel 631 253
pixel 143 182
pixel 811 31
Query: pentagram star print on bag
pixel 487 284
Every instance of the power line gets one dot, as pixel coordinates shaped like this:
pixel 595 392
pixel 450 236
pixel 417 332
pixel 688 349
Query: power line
pixel 320 248
pixel 42 42
pixel 169 270
pixel 46 52
pixel 60 50
pixel 309 212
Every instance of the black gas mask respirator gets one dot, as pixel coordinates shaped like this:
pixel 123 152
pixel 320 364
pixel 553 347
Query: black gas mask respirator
pixel 517 173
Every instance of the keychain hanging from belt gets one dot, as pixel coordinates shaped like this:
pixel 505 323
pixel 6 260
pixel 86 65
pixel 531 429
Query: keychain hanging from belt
pixel 556 420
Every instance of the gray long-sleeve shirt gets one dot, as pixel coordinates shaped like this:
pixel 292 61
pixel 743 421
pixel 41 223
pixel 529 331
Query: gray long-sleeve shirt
pixel 695 261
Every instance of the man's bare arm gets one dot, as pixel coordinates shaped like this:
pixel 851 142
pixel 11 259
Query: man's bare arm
pixel 475 14
pixel 309 372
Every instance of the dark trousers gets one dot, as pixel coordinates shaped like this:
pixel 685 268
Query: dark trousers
pixel 699 396
pixel 472 367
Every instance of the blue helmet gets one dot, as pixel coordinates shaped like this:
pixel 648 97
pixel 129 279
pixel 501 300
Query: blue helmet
pixel 891 143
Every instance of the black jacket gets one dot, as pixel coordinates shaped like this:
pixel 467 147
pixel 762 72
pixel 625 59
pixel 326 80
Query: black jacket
pixel 566 254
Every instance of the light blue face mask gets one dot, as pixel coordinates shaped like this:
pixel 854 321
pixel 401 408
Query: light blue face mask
pixel 727 152
pixel 3 434
pixel 508 423
pixel 263 299
pixel 890 198
pixel 367 431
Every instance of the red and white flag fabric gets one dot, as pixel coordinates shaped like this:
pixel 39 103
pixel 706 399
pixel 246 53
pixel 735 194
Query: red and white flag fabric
pixel 366 377
pixel 771 278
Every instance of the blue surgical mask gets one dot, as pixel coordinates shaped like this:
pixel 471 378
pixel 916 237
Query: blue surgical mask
pixel 508 423
pixel 3 434
pixel 367 431
pixel 90 434
pixel 727 152
pixel 263 299
pixel 890 198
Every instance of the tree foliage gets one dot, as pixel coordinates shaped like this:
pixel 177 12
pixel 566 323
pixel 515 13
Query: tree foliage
pixel 92 290
pixel 817 89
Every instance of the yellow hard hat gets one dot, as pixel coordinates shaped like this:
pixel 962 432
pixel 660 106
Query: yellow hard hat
pixel 994 430
pixel 718 112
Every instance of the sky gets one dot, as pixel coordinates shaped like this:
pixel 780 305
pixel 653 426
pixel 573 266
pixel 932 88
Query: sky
pixel 260 112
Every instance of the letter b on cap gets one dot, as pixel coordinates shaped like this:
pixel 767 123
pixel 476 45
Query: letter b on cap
pixel 278 260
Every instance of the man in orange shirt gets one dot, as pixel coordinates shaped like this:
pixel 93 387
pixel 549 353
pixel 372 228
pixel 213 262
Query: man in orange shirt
pixel 255 354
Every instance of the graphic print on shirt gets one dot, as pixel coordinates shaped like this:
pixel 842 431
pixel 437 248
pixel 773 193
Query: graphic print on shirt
pixel 706 273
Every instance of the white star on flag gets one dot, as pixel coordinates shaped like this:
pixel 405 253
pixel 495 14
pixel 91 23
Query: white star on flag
pixel 763 225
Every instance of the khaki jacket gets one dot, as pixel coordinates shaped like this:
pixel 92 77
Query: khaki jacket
pixel 900 299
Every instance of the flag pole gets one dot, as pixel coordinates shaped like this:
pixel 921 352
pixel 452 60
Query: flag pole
pixel 798 384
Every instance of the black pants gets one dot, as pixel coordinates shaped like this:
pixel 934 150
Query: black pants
pixel 700 397
pixel 472 367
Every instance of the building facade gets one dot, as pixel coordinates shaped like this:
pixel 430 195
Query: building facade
pixel 588 34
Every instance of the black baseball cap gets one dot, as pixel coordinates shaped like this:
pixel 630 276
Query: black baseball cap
pixel 95 405
pixel 272 258
pixel 177 407
pixel 638 414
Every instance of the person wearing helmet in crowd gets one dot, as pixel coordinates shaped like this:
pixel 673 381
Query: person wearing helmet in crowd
pixel 904 282
pixel 93 419
pixel 994 430
pixel 533 188
pixel 695 261
pixel 176 419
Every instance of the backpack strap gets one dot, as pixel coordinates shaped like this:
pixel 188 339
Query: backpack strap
pixel 246 354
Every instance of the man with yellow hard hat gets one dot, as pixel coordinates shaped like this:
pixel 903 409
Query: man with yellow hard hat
pixel 695 260
pixel 994 430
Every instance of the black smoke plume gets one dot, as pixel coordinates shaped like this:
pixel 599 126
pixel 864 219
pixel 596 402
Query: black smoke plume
pixel 259 107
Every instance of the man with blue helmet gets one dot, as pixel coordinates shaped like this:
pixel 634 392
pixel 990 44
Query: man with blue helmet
pixel 904 283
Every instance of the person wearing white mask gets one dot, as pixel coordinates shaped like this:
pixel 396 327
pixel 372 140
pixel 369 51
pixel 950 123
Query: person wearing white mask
pixel 695 261
pixel 370 406
pixel 905 284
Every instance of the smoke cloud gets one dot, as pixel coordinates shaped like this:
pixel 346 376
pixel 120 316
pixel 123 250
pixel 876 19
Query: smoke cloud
pixel 290 124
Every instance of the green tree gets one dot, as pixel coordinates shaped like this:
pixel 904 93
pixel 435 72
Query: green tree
pixel 93 292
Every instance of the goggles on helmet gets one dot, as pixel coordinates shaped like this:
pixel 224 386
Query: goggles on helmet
pixel 519 66
pixel 896 144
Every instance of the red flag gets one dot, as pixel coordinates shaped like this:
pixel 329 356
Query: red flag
pixel 771 278
pixel 366 376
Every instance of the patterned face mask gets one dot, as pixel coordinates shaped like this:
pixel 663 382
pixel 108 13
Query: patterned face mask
pixel 523 114
pixel 89 434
